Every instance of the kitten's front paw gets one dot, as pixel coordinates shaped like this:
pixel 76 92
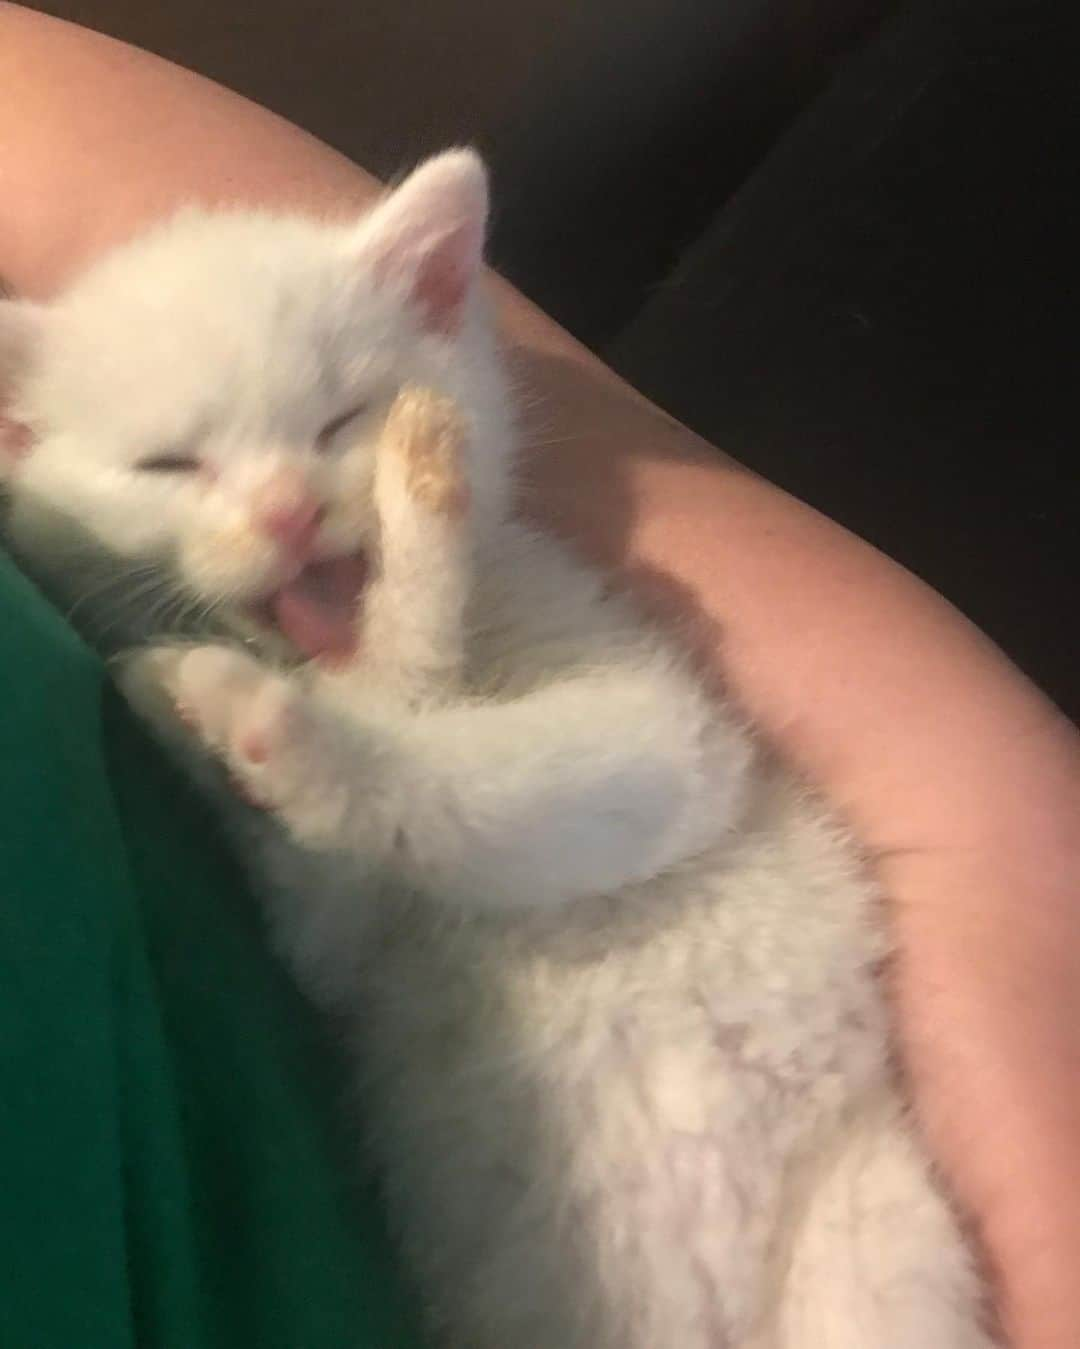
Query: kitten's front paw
pixel 279 751
pixel 421 457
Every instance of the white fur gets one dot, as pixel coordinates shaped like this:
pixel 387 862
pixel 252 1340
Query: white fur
pixel 610 974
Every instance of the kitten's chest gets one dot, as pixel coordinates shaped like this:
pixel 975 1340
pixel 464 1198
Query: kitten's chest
pixel 715 994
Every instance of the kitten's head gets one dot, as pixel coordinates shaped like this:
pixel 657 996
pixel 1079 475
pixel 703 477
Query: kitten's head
pixel 207 398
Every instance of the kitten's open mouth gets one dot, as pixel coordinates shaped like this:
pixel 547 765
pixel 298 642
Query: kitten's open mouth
pixel 317 610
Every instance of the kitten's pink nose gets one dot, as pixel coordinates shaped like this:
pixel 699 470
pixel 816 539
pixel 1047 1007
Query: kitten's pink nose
pixel 286 511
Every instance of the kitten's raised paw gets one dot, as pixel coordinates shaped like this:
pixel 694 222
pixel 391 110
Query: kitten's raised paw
pixel 212 688
pixel 279 754
pixel 424 437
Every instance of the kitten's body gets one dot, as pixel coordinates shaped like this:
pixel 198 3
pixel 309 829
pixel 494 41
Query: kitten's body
pixel 611 974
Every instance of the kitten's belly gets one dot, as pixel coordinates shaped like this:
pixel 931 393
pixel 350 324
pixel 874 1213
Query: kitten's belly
pixel 601 1150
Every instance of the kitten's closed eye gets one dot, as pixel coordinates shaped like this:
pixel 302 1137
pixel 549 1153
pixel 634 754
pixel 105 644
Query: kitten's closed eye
pixel 169 462
pixel 330 430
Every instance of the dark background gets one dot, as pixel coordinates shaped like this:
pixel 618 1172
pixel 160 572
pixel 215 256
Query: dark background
pixel 834 236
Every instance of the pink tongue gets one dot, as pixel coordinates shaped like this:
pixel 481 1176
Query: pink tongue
pixel 317 612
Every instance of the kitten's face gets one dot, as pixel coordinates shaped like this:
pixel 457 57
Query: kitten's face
pixel 210 395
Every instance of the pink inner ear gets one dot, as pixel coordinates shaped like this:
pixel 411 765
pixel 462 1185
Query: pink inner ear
pixel 16 438
pixel 443 280
pixel 442 270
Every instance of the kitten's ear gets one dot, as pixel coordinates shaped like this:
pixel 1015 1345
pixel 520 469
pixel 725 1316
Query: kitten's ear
pixel 21 328
pixel 428 236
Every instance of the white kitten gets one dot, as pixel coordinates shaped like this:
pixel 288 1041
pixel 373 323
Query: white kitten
pixel 610 973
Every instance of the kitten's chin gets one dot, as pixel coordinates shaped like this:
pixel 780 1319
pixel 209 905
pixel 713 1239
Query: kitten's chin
pixel 317 611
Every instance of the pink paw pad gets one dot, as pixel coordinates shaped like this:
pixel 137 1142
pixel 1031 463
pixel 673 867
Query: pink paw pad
pixel 254 747
pixel 16 438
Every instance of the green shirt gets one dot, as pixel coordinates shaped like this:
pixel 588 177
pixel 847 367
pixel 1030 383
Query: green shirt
pixel 175 1171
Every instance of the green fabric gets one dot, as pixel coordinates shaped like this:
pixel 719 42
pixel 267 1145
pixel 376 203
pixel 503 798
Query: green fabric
pixel 172 1159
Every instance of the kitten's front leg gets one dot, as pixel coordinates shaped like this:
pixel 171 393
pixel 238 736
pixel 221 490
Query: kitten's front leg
pixel 411 625
pixel 285 753
pixel 576 789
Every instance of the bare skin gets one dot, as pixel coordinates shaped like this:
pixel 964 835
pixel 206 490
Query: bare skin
pixel 954 770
